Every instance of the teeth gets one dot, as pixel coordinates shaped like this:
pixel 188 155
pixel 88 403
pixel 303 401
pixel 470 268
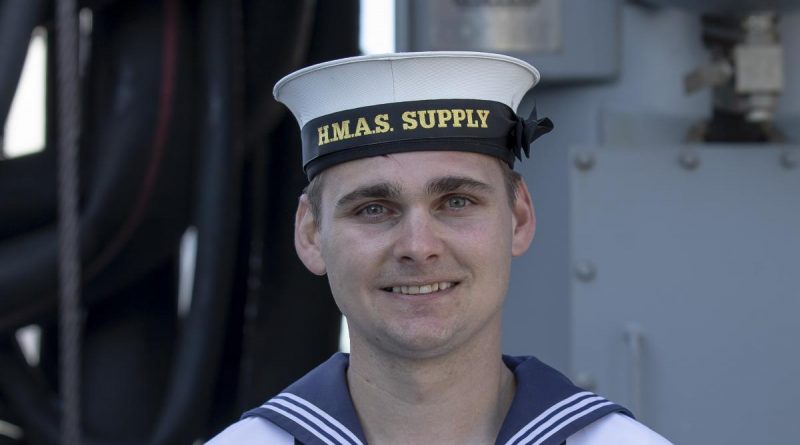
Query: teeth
pixel 424 289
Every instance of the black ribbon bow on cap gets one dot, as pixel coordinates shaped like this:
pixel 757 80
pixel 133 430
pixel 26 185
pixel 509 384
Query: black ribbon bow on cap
pixel 527 131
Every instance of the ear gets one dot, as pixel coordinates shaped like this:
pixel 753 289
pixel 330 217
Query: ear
pixel 523 220
pixel 306 237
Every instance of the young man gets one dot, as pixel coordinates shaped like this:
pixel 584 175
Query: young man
pixel 414 214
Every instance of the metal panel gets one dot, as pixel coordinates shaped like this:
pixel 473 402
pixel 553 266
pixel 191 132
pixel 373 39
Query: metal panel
pixel 685 294
pixel 532 26
pixel 568 40
pixel 727 6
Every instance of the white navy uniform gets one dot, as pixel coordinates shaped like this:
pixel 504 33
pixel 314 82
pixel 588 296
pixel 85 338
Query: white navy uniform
pixel 547 410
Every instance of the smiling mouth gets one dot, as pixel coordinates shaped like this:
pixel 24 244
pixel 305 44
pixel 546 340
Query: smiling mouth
pixel 422 289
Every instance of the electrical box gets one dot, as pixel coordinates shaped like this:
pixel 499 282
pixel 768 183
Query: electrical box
pixel 538 31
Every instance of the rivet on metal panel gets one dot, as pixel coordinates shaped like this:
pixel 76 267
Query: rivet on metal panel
pixel 584 161
pixel 585 270
pixel 790 159
pixel 586 381
pixel 689 160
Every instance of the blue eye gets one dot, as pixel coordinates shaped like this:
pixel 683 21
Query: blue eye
pixel 373 210
pixel 457 202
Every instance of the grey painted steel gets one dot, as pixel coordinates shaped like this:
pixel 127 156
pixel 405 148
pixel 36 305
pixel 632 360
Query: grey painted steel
pixel 705 264
pixel 643 107
pixel 536 313
pixel 542 32
pixel 532 27
pixel 646 104
pixel 646 110
pixel 727 6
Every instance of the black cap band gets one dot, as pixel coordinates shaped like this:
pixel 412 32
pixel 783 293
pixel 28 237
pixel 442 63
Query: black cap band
pixel 478 126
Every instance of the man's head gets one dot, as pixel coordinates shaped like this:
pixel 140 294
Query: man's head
pixel 413 209
pixel 417 247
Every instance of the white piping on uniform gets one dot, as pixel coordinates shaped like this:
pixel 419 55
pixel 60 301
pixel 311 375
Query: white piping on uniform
pixel 299 410
pixel 322 414
pixel 568 421
pixel 299 422
pixel 550 410
pixel 556 418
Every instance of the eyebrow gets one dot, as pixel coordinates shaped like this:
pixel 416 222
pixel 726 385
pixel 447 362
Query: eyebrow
pixel 450 184
pixel 383 190
pixel 391 191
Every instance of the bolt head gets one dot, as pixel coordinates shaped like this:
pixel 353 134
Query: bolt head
pixel 584 161
pixel 585 271
pixel 790 159
pixel 586 381
pixel 689 160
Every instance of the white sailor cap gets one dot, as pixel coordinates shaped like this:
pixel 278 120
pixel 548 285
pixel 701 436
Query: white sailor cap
pixel 379 104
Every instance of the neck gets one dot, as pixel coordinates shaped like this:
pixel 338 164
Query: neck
pixel 458 398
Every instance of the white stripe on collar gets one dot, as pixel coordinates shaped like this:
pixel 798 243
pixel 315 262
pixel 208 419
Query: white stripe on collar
pixel 300 422
pixel 563 408
pixel 565 423
pixel 321 425
pixel 297 403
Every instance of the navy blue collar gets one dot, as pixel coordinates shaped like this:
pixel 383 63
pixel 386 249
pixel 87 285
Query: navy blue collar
pixel 547 408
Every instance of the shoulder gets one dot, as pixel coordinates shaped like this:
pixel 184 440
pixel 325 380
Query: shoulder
pixel 252 430
pixel 616 429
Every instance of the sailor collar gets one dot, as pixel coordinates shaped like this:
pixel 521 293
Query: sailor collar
pixel 547 408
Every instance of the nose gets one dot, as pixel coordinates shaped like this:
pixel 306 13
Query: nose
pixel 418 240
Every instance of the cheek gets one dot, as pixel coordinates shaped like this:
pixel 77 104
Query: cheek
pixel 350 255
pixel 489 247
pixel 492 232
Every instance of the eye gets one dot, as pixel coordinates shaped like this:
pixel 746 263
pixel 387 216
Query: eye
pixel 457 202
pixel 373 210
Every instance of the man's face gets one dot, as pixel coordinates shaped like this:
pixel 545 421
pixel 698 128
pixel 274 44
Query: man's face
pixel 417 247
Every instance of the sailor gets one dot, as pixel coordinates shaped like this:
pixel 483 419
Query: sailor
pixel 414 212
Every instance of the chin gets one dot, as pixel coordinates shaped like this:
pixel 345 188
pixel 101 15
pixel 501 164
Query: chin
pixel 422 343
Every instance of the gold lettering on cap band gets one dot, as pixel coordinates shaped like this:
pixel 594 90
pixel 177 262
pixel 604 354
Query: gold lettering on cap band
pixel 412 120
pixel 471 125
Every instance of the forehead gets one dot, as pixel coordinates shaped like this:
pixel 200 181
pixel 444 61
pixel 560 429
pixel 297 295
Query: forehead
pixel 411 171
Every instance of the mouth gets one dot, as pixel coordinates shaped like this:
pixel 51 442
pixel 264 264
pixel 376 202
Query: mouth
pixel 421 289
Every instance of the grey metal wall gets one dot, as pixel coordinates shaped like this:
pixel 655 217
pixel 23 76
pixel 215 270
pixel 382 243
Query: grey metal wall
pixel 662 275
